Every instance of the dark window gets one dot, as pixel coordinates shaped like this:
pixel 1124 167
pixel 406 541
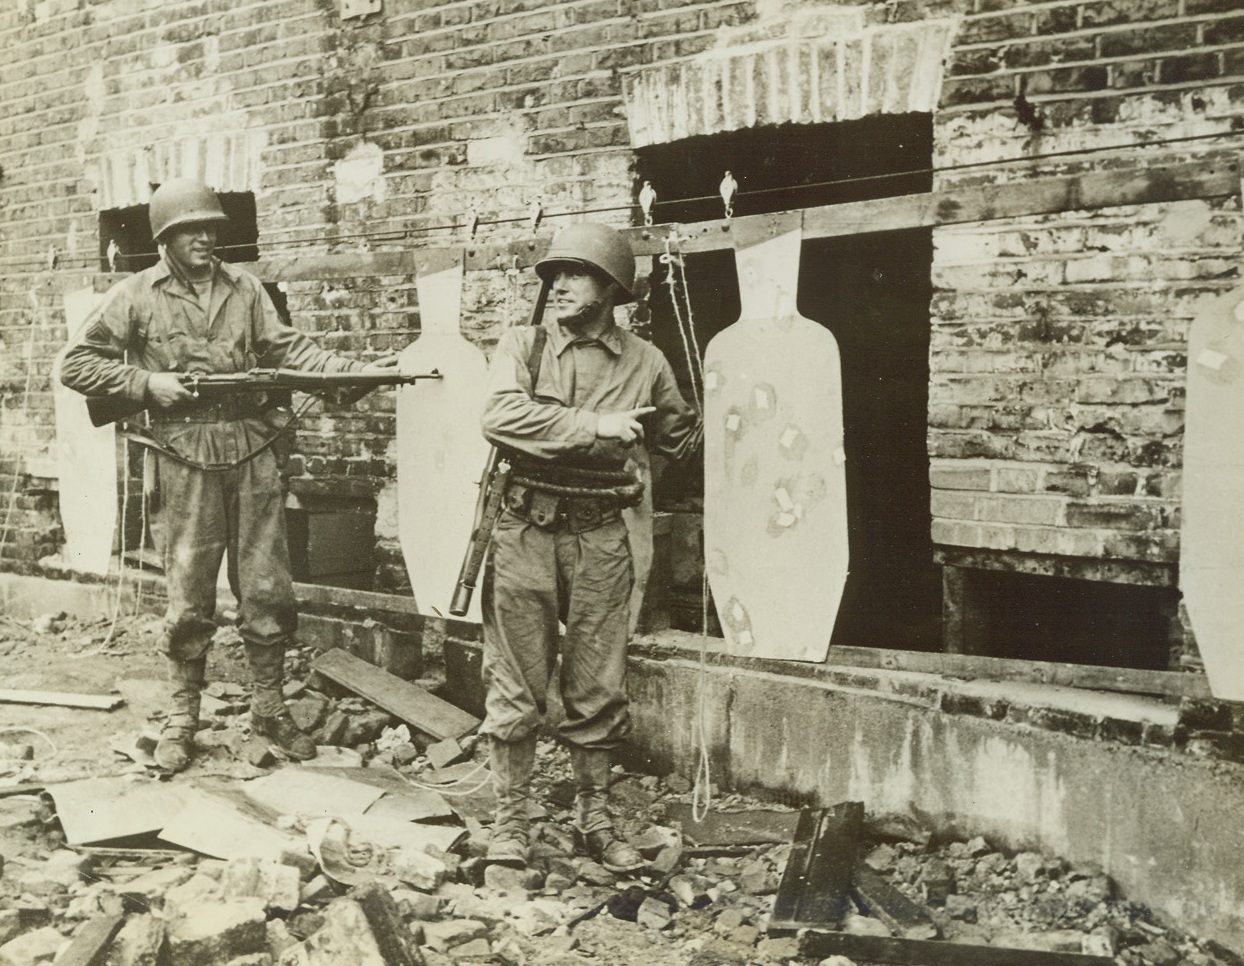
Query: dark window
pixel 130 229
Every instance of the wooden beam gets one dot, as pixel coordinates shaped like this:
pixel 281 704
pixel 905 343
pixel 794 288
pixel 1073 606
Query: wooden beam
pixel 90 946
pixel 1171 684
pixel 881 900
pixel 816 886
pixel 417 707
pixel 1028 196
pixel 817 944
pixel 94 702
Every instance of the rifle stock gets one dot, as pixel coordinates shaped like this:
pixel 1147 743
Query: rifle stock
pixel 111 409
pixel 487 509
pixel 488 503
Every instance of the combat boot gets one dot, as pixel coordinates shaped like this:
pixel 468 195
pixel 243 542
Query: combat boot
pixel 594 824
pixel 512 763
pixel 269 716
pixel 175 749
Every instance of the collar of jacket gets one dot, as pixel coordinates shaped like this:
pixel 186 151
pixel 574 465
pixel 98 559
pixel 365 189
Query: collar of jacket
pixel 561 338
pixel 161 271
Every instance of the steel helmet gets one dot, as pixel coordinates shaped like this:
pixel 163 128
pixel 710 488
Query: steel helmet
pixel 596 245
pixel 181 201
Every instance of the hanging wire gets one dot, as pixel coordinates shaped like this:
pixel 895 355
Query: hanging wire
pixel 279 247
pixel 676 279
pixel 673 261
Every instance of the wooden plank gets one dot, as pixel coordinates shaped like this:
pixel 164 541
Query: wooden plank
pixel 346 598
pixel 62 699
pixel 753 827
pixel 411 703
pixel 1096 189
pixel 818 944
pixel 313 267
pixel 90 946
pixel 881 900
pixel 815 888
pixel 1093 677
pixel 1029 196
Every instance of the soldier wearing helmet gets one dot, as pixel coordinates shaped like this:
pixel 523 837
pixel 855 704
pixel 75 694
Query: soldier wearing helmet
pixel 191 312
pixel 576 438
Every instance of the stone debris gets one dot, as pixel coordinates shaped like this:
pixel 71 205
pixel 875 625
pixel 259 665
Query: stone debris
pixel 704 900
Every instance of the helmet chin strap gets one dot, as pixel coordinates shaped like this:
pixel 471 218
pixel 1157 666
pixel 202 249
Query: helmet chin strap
pixel 589 312
pixel 179 270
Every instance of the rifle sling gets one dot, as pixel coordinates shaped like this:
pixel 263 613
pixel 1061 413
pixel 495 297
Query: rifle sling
pixel 146 438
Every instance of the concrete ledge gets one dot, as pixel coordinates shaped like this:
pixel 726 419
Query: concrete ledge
pixel 1164 825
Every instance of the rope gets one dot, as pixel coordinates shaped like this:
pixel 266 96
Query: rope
pixel 702 790
pixel 125 503
pixel 442 789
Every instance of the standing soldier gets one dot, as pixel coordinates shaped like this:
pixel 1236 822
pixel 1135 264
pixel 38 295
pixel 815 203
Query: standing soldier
pixel 188 313
pixel 567 402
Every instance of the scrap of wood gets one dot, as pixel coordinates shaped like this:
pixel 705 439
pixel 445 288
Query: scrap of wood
pixel 815 888
pixel 90 946
pixel 11 790
pixel 731 829
pixel 877 897
pixel 419 708
pixel 63 699
pixel 818 944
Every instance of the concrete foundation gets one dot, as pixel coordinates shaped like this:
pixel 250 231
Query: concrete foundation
pixel 1164 825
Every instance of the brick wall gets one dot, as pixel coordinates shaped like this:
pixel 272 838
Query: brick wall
pixel 1055 408
pixel 1056 398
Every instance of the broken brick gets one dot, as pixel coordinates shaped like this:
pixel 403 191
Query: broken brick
pixel 512 881
pixel 417 868
pixel 653 914
pixel 276 885
pixel 211 932
pixel 38 946
pixel 344 939
pixel 442 754
pixel 139 943
pixel 443 936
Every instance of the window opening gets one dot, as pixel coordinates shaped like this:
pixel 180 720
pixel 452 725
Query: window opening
pixel 1045 618
pixel 130 231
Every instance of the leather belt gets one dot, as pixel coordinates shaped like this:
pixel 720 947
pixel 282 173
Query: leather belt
pixel 570 514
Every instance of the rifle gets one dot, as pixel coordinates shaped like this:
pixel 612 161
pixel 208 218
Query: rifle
pixel 213 385
pixel 488 504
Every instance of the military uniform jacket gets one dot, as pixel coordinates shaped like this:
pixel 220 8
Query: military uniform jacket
pixel 153 322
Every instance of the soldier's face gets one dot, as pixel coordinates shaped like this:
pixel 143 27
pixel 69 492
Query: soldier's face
pixel 579 295
pixel 191 244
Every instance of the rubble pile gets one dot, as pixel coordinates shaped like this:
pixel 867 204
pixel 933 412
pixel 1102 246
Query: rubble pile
pixel 976 894
pixel 372 854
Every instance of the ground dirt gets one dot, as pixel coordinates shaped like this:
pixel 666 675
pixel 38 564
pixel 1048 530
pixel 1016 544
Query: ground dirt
pixel 698 903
